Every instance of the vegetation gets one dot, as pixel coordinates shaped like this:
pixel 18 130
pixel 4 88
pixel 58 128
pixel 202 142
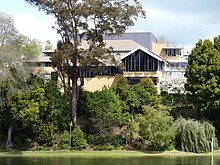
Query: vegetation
pixel 194 136
pixel 156 128
pixel 203 79
pixel 35 115
pixel 72 19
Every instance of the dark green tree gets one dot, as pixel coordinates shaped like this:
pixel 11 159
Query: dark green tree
pixel 156 128
pixel 105 109
pixel 203 78
pixel 122 89
pixel 143 93
pixel 88 20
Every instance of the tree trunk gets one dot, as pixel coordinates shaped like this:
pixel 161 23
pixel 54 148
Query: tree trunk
pixel 74 101
pixel 9 142
pixel 74 104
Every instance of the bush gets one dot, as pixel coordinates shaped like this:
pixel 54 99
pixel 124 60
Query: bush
pixel 65 140
pixel 193 136
pixel 78 141
pixel 22 142
pixel 104 148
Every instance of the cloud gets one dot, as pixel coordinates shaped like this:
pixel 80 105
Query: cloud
pixel 183 21
pixel 35 27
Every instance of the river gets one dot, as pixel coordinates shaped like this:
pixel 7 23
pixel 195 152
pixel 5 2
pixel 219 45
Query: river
pixel 148 160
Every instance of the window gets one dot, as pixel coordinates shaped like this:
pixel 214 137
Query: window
pixel 173 52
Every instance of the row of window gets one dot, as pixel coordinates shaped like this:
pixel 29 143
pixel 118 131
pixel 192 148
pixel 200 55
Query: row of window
pixel 173 74
pixel 97 71
pixel 173 52
pixel 177 65
pixel 140 61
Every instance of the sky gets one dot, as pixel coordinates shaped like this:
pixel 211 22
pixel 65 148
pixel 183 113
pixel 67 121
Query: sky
pixel 180 22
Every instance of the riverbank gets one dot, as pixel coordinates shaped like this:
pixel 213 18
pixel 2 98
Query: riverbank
pixel 116 153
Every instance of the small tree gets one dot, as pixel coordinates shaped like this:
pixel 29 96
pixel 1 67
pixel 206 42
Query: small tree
pixel 122 89
pixel 105 109
pixel 143 93
pixel 156 128
pixel 194 136
pixel 78 141
pixel 176 85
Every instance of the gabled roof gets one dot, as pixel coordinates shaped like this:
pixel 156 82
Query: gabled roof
pixel 117 45
pixel 147 51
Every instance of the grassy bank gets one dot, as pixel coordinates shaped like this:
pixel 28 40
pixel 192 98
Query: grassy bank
pixel 100 154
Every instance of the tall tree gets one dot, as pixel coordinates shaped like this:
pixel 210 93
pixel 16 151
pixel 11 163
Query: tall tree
pixel 89 20
pixel 203 77
pixel 12 71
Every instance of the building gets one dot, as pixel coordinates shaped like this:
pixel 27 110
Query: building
pixel 140 55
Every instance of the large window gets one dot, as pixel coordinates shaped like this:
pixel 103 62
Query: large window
pixel 178 65
pixel 141 61
pixel 173 52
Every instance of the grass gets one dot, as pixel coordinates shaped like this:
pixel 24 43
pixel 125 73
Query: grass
pixel 115 154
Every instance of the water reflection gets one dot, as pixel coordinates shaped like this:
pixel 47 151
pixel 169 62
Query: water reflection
pixel 172 160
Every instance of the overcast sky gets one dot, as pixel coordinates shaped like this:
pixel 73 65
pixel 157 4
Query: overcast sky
pixel 181 22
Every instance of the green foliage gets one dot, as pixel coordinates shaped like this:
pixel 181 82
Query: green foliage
pixel 109 17
pixel 30 47
pixel 58 111
pixel 156 128
pixel 104 148
pixel 106 112
pixel 143 93
pixel 78 140
pixel 203 75
pixel 45 133
pixel 83 102
pixel 148 85
pixel 122 88
pixel 22 142
pixel 194 136
pixel 203 78
pixel 130 128
pixel 65 140
pixel 173 99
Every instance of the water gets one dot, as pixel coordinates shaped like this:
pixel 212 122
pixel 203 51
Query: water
pixel 190 160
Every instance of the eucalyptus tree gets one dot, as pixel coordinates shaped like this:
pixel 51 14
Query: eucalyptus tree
pixel 87 20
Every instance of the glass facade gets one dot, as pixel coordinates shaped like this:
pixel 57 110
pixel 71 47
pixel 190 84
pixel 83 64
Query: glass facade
pixel 141 61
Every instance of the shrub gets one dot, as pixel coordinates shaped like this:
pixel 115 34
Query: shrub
pixel 104 148
pixel 78 141
pixel 193 136
pixel 65 140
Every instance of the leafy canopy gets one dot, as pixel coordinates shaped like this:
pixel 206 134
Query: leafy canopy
pixel 203 74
